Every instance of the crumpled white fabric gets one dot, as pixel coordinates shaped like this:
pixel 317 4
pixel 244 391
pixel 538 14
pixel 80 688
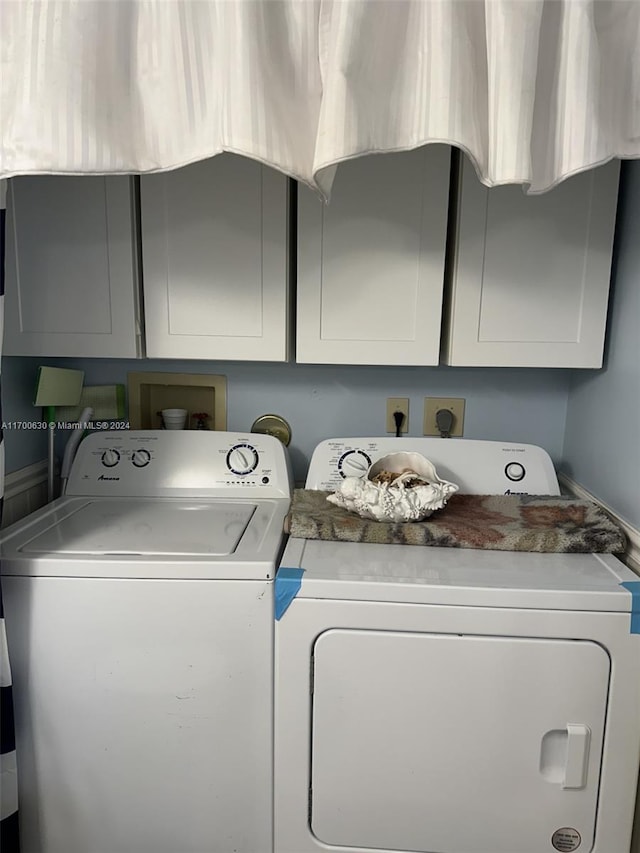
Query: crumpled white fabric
pixel 396 501
pixel 140 86
pixel 532 91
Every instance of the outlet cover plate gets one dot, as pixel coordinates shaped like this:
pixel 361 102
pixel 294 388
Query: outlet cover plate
pixel 397 404
pixel 434 404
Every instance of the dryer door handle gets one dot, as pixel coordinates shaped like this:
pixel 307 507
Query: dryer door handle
pixel 578 742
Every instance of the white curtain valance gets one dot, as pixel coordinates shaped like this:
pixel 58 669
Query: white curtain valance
pixel 532 90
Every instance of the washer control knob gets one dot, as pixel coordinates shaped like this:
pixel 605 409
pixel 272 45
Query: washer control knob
pixel 110 458
pixel 242 459
pixel 140 458
pixel 515 471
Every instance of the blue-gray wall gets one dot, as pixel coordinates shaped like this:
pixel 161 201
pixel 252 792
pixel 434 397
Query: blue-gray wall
pixel 602 438
pixel 22 446
pixel 320 402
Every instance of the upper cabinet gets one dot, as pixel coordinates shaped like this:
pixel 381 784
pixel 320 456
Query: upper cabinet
pixel 214 249
pixel 521 281
pixel 371 263
pixel 530 274
pixel 71 268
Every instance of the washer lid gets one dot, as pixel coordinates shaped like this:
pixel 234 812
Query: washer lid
pixel 147 527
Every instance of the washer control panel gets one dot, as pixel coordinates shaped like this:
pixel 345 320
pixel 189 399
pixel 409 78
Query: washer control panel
pixel 141 463
pixel 477 467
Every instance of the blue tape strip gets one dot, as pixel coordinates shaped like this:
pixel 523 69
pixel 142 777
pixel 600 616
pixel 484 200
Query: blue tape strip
pixel 634 589
pixel 288 583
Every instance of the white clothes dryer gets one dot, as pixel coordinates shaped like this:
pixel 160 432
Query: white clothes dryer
pixel 139 612
pixel 443 700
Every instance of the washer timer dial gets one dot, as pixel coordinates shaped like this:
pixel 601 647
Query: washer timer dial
pixel 353 463
pixel 242 459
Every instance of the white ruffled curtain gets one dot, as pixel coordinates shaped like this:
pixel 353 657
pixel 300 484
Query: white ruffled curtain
pixel 531 90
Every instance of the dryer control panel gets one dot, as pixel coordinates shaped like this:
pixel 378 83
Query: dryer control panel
pixel 477 467
pixel 141 463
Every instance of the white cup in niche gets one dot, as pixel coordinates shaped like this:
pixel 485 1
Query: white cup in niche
pixel 174 418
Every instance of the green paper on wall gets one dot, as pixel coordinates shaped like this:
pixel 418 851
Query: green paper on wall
pixel 58 386
pixel 107 402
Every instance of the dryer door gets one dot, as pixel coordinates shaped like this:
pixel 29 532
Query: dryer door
pixel 456 744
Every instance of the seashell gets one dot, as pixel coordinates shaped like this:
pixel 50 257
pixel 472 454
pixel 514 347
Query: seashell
pixel 398 487
pixel 401 462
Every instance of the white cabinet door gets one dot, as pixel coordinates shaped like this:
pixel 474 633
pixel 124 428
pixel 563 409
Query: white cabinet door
pixel 71 286
pixel 531 273
pixel 371 262
pixel 446 743
pixel 214 248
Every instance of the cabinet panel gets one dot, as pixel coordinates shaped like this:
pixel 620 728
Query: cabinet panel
pixel 71 267
pixel 214 248
pixel 531 273
pixel 371 262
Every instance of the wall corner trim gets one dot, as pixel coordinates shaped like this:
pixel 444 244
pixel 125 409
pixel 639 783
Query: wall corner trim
pixel 632 554
pixel 24 479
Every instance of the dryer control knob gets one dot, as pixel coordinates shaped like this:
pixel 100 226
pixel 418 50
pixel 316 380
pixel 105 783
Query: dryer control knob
pixel 515 471
pixel 110 458
pixel 354 463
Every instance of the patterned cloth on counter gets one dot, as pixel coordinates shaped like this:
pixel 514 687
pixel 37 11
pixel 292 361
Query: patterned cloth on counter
pixel 547 523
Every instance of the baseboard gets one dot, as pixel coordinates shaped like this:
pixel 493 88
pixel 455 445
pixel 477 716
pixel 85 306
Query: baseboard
pixel 632 554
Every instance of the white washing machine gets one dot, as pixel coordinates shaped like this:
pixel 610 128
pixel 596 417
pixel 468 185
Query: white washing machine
pixel 446 700
pixel 139 611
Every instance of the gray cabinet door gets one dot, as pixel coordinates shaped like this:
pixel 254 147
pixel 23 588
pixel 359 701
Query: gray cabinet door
pixel 371 262
pixel 71 285
pixel 531 274
pixel 214 248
